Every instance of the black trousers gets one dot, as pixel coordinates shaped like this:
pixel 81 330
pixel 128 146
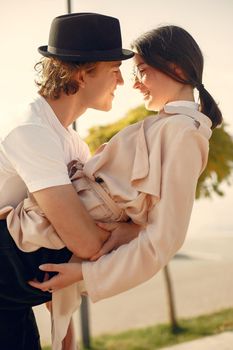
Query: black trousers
pixel 18 329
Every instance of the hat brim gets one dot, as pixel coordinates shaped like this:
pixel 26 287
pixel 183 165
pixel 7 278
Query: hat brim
pixel 88 56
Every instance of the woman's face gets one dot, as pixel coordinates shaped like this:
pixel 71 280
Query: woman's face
pixel 156 87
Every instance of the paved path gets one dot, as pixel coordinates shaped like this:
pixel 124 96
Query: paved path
pixel 203 283
pixel 222 341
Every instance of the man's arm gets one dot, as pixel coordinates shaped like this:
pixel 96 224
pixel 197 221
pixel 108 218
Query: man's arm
pixel 70 219
pixel 37 155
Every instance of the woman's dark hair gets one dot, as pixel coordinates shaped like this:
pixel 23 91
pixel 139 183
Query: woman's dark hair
pixel 169 46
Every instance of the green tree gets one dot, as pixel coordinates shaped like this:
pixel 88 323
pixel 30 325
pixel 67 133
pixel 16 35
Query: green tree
pixel 100 134
pixel 220 164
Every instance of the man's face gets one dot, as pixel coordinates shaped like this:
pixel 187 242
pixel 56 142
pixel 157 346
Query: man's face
pixel 101 84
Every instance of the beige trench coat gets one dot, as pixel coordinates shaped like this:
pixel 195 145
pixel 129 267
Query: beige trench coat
pixel 169 154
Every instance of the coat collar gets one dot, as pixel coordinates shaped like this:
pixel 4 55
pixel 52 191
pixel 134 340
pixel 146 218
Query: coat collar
pixel 190 111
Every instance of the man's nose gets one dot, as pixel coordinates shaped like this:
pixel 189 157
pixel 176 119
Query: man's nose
pixel 120 80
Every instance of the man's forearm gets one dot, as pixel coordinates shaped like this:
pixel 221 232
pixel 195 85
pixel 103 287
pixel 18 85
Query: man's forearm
pixel 71 220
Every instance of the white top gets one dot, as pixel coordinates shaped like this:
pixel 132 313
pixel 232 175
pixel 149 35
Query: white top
pixel 177 147
pixel 34 154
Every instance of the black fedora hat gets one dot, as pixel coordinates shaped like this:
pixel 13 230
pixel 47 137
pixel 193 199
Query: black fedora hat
pixel 83 37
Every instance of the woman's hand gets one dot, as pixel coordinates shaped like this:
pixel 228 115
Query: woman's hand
pixel 121 233
pixel 68 274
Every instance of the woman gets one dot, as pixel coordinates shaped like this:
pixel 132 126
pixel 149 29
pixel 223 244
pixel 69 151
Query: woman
pixel 168 67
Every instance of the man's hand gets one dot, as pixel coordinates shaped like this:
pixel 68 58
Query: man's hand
pixel 121 233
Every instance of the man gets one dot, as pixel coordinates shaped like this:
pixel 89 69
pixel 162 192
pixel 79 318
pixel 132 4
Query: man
pixel 80 70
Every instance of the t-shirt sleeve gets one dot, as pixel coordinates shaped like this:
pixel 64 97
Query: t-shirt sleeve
pixel 83 150
pixel 37 155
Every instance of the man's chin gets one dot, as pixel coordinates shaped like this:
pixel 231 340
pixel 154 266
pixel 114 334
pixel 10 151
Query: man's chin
pixel 103 108
pixel 107 109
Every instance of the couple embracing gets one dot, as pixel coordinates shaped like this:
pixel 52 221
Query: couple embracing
pixel 121 215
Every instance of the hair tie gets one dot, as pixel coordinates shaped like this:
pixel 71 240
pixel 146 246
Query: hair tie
pixel 200 87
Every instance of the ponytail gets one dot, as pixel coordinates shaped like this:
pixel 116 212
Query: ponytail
pixel 166 46
pixel 208 106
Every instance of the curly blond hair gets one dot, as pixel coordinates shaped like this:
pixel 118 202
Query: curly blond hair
pixel 55 76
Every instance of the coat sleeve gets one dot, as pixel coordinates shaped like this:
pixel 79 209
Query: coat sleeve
pixel 183 159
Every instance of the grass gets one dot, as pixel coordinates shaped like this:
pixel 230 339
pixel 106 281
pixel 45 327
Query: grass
pixel 159 336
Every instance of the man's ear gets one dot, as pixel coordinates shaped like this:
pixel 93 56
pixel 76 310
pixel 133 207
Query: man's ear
pixel 80 77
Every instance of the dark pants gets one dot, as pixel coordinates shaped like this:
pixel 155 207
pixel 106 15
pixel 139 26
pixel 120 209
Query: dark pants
pixel 18 329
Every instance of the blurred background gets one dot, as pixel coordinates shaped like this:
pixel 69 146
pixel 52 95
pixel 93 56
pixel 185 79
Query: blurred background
pixel 25 25
pixel 198 268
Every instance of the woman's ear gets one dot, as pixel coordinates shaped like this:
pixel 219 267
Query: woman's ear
pixel 178 71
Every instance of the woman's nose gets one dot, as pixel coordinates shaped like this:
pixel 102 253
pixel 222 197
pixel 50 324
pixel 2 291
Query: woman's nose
pixel 136 84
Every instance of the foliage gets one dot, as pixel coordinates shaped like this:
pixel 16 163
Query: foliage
pixel 220 163
pixel 159 336
pixel 100 134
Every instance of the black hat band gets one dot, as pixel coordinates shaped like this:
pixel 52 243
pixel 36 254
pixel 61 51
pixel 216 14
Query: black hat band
pixel 57 51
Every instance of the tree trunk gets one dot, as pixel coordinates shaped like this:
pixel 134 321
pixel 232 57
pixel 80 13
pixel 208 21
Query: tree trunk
pixel 171 300
pixel 85 324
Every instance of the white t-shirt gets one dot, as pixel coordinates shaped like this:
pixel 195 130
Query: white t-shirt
pixel 34 154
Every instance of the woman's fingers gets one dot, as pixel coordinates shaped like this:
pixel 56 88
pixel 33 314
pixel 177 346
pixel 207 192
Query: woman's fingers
pixel 69 273
pixel 53 284
pixel 106 248
pixel 121 233
pixel 44 286
pixel 52 267
pixel 48 284
pixel 108 226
